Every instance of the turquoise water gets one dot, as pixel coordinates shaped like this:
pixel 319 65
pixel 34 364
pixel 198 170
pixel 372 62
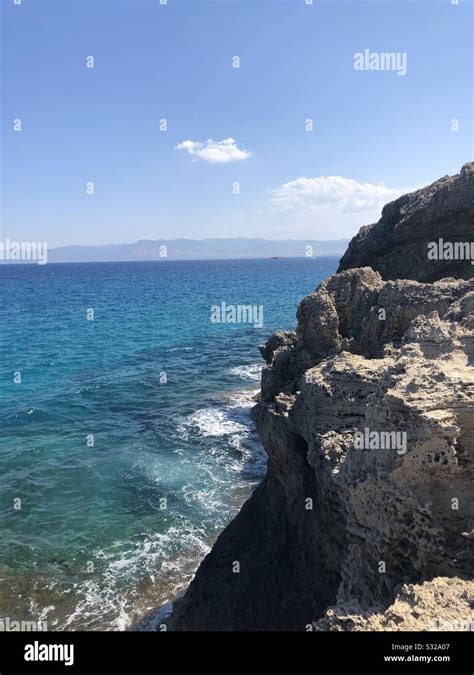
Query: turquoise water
pixel 108 531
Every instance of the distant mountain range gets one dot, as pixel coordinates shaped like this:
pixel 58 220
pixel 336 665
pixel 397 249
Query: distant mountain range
pixel 198 249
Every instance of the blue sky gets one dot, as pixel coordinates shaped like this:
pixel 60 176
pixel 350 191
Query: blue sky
pixel 376 134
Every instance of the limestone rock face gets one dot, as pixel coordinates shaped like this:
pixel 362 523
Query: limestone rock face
pixel 443 604
pixel 358 312
pixel 364 520
pixel 277 341
pixel 397 246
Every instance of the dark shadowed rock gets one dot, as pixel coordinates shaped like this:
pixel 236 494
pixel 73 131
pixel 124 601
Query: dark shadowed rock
pixel 370 354
pixel 398 245
pixel 276 341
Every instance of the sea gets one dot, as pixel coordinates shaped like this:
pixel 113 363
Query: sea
pixel 126 443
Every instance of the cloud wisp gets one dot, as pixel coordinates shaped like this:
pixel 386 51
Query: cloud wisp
pixel 215 152
pixel 343 194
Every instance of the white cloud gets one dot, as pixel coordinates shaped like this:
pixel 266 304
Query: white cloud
pixel 215 152
pixel 325 207
pixel 342 195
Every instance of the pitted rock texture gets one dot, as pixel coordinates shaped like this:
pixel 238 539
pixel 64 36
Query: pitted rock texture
pixel 399 502
pixel 328 513
pixel 355 311
pixel 442 604
pixel 339 524
pixel 397 246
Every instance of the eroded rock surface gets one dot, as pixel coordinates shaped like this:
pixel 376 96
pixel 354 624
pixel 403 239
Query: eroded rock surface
pixel 443 604
pixel 367 416
pixel 397 246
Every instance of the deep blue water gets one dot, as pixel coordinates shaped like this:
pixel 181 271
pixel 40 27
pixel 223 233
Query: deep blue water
pixel 109 531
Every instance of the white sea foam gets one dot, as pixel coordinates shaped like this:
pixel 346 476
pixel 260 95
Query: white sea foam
pixel 242 399
pixel 212 422
pixel 249 372
pixel 113 602
pixel 139 575
pixel 154 622
pixel 180 349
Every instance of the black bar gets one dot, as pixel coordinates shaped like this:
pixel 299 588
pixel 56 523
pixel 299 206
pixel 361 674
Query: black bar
pixel 134 652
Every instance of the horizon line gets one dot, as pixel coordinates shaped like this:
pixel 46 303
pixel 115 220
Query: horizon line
pixel 8 263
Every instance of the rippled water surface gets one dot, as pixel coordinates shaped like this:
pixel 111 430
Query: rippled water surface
pixel 128 440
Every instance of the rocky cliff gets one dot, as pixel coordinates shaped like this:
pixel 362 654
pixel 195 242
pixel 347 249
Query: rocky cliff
pixel 398 245
pixel 364 518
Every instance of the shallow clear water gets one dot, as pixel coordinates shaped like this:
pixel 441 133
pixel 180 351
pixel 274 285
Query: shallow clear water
pixel 107 532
